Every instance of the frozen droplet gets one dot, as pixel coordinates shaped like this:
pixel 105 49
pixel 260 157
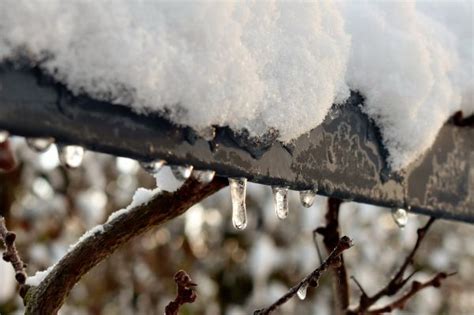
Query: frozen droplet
pixel 4 135
pixel 400 216
pixel 71 155
pixel 204 177
pixel 238 187
pixel 153 167
pixel 182 172
pixel 302 291
pixel 39 144
pixel 307 197
pixel 280 201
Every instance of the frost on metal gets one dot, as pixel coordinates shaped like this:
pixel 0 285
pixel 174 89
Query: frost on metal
pixel 259 66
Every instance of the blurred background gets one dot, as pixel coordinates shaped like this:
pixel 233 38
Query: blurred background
pixel 237 272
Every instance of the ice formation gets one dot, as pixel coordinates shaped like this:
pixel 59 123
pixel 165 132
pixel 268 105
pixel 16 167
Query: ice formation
pixel 238 188
pixel 259 65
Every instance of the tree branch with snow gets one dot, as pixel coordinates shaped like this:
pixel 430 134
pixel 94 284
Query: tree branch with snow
pixel 49 294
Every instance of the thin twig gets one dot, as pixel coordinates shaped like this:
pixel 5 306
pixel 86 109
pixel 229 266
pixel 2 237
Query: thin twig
pixel 48 297
pixel 185 294
pixel 316 244
pixel 313 278
pixel 416 286
pixel 11 254
pixel 398 281
pixel 358 285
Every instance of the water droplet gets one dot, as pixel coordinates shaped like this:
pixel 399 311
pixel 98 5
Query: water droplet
pixel 238 187
pixel 302 291
pixel 39 144
pixel 280 201
pixel 307 197
pixel 204 177
pixel 153 167
pixel 400 216
pixel 182 172
pixel 4 135
pixel 71 155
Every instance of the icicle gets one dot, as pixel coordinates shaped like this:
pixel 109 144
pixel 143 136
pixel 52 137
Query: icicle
pixel 280 201
pixel 71 155
pixel 182 172
pixel 39 144
pixel 302 291
pixel 153 167
pixel 307 197
pixel 400 216
pixel 4 135
pixel 238 187
pixel 204 177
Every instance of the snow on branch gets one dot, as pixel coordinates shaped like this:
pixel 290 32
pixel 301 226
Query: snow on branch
pixel 48 296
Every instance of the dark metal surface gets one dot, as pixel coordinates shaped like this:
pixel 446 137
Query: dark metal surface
pixel 343 157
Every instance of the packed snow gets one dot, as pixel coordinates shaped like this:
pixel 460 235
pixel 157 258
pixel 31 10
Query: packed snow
pixel 259 65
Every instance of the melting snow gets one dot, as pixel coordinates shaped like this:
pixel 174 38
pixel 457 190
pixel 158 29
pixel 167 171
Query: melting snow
pixel 259 65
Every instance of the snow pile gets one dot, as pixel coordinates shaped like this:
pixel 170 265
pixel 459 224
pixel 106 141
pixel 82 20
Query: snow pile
pixel 259 65
pixel 408 66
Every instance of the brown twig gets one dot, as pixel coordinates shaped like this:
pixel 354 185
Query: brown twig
pixel 185 294
pixel 398 281
pixel 313 278
pixel 11 255
pixel 48 297
pixel 416 286
pixel 330 234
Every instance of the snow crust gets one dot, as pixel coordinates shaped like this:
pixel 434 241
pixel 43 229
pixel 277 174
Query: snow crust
pixel 259 64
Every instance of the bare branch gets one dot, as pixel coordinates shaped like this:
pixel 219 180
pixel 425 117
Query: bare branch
pixel 359 285
pixel 313 278
pixel 11 255
pixel 316 244
pixel 48 297
pixel 398 281
pixel 416 287
pixel 185 294
pixel 331 235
